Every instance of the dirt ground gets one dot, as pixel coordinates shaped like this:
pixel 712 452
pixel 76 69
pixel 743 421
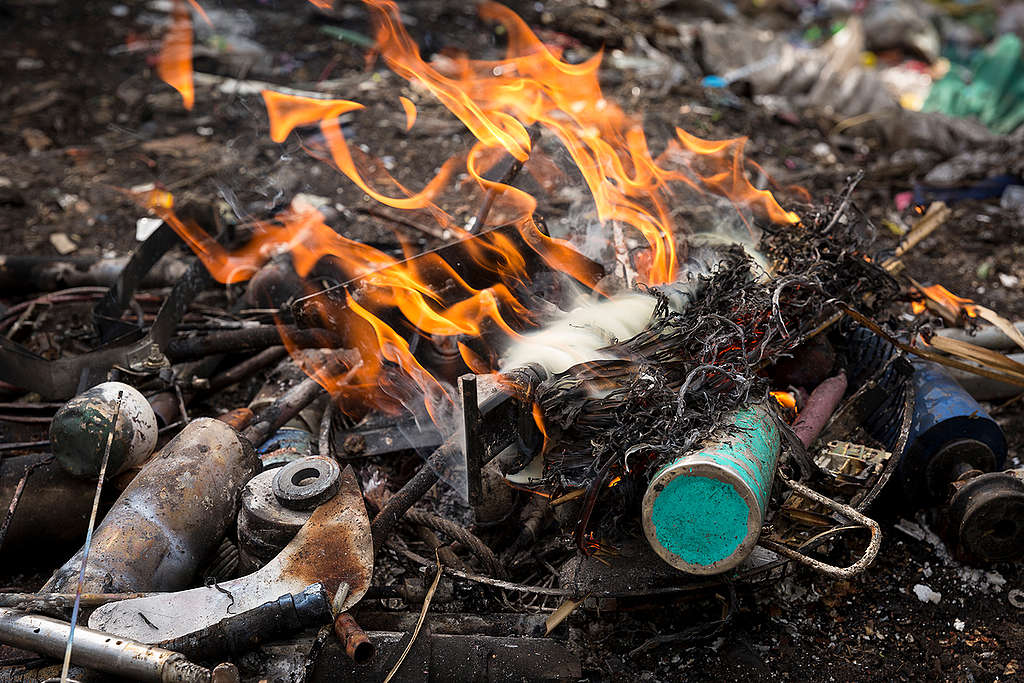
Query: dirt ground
pixel 85 117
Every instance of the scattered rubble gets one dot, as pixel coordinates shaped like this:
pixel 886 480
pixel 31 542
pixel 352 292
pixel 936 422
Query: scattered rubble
pixel 532 368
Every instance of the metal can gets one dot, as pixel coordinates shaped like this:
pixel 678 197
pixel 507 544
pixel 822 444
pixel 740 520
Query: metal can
pixel 170 518
pixel 703 512
pixel 950 433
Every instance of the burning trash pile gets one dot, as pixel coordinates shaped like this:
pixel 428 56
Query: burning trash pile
pixel 674 385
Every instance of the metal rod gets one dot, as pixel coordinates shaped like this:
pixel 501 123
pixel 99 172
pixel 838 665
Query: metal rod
pixel 248 339
pixel 414 489
pixel 104 652
pixel 61 600
pixel 471 429
pixel 15 499
pixel 866 558
pixel 274 416
pixel 264 358
pixel 88 537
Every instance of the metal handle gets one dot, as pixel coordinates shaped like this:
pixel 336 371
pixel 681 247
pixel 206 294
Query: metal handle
pixel 866 558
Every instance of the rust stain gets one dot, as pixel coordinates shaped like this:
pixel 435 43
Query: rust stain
pixel 335 545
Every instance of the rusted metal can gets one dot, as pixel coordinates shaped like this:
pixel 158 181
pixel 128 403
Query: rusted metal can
pixel 170 518
pixel 986 517
pixel 80 429
pixel 703 512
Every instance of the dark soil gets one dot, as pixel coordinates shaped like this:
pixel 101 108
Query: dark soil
pixel 86 117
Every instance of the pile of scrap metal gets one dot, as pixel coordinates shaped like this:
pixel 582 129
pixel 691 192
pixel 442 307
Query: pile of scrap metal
pixel 755 425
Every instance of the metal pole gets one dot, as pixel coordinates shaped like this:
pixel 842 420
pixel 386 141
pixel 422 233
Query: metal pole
pixel 105 652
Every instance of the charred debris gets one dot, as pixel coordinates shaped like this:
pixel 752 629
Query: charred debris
pixel 755 426
pixel 233 460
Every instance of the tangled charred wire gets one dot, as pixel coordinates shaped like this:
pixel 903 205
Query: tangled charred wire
pixel 617 421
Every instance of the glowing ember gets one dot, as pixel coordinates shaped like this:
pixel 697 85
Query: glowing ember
pixel 785 399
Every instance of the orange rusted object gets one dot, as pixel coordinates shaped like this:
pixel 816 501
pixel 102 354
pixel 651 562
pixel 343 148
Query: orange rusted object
pixel 239 418
pixel 334 548
pixel 357 644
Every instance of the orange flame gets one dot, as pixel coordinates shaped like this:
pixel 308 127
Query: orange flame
pixel 385 284
pixel 288 112
pixel 410 112
pixel 174 62
pixel 955 306
pixel 785 399
pixel 500 102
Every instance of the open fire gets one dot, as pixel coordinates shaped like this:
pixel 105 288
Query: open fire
pixel 501 102
pixel 646 373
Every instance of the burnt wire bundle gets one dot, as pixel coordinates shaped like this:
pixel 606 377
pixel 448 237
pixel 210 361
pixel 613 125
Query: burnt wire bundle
pixel 612 423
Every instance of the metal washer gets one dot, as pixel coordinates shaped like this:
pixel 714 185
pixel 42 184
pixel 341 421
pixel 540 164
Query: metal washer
pixel 306 483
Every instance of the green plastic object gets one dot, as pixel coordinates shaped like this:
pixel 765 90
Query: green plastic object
pixel 703 512
pixel 990 89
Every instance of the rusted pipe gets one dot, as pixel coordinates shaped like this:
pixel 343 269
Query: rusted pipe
pixel 98 650
pixel 238 419
pixel 170 518
pixel 355 641
pixel 819 408
pixel 277 414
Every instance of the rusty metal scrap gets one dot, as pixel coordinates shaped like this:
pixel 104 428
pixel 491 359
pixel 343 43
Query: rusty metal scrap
pixel 170 517
pixel 97 650
pixel 333 548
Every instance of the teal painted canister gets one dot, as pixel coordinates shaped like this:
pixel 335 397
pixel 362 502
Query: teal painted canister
pixel 703 512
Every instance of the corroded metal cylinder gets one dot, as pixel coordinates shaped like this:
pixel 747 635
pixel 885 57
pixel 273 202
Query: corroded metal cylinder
pixel 986 516
pixel 170 518
pixel 703 512
pixel 97 650
pixel 357 644
pixel 265 526
pixel 80 429
pixel 950 430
